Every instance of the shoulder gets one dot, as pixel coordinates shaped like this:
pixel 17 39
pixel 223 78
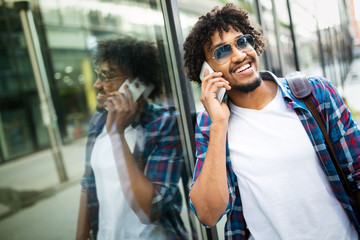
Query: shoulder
pixel 161 116
pixel 319 82
pixel 322 88
pixel 94 121
pixel 95 116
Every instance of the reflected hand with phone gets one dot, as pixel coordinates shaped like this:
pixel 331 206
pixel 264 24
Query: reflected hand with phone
pixel 122 110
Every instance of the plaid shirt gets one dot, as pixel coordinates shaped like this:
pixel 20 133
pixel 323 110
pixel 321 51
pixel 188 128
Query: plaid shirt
pixel 343 131
pixel 164 159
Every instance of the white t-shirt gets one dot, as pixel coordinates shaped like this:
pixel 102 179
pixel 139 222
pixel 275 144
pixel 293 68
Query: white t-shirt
pixel 116 218
pixel 284 192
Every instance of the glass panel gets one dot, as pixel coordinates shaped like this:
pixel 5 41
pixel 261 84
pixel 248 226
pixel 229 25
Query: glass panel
pixel 17 83
pixel 269 31
pixel 152 140
pixel 306 37
pixel 15 133
pixel 39 128
pixel 330 37
pixel 285 40
pixel 71 75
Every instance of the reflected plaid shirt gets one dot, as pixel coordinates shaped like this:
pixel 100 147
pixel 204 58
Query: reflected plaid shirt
pixel 343 131
pixel 164 161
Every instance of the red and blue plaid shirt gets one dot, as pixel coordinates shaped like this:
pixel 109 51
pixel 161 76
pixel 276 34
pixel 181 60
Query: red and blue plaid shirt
pixel 163 157
pixel 344 133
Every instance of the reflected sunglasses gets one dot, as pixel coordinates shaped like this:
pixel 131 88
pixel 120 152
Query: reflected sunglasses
pixel 104 78
pixel 222 54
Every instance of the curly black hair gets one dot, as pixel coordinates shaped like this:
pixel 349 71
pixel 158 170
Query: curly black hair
pixel 217 20
pixel 135 57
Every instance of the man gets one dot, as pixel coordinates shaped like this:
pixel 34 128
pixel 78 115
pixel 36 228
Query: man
pixel 261 158
pixel 134 157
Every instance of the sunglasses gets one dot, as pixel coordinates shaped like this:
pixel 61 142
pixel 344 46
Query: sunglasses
pixel 222 54
pixel 104 78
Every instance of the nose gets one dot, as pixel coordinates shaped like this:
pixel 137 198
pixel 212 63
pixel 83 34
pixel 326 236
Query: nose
pixel 98 84
pixel 237 54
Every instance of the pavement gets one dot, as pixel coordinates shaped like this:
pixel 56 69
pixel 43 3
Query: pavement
pixel 34 205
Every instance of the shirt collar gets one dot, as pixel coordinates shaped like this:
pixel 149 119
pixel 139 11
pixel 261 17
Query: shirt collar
pixel 97 123
pixel 144 117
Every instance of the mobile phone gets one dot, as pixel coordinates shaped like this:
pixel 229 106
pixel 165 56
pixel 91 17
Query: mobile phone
pixel 136 88
pixel 221 91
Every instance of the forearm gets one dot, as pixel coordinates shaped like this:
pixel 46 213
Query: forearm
pixel 137 188
pixel 210 194
pixel 83 224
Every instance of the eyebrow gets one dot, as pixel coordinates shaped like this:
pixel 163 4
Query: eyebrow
pixel 224 43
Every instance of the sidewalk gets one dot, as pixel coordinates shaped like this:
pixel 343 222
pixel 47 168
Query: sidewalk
pixel 33 203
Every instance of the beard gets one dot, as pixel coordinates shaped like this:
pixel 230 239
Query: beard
pixel 247 87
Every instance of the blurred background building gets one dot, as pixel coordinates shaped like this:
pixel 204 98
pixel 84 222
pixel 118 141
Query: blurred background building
pixel 302 36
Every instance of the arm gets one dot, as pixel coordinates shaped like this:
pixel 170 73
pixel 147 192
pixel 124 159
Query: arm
pixel 83 225
pixel 164 163
pixel 209 193
pixel 137 188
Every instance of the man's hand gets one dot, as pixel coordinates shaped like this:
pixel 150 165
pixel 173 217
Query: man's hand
pixel 121 110
pixel 218 111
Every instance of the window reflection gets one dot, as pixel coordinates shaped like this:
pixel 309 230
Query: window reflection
pixel 306 37
pixel 270 29
pixel 134 156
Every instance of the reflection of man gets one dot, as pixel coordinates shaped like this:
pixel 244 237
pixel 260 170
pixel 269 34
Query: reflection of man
pixel 265 163
pixel 134 157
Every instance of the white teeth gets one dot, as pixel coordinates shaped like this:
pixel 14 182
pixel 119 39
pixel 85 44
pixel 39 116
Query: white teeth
pixel 246 66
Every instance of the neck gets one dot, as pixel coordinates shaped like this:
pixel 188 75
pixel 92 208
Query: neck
pixel 256 99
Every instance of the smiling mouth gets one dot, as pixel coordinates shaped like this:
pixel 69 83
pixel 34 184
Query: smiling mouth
pixel 101 94
pixel 101 97
pixel 243 68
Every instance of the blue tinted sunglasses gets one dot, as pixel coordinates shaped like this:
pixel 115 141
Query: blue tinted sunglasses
pixel 222 54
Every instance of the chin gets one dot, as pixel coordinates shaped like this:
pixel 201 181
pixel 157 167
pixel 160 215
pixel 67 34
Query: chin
pixel 100 107
pixel 249 86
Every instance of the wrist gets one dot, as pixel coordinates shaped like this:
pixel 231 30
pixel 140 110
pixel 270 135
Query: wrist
pixel 219 127
pixel 220 124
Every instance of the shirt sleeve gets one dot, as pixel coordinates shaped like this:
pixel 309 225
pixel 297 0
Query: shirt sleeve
pixel 83 183
pixel 343 131
pixel 202 133
pixel 165 160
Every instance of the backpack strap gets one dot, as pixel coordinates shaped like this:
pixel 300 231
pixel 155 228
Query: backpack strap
pixel 301 89
pixel 299 85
